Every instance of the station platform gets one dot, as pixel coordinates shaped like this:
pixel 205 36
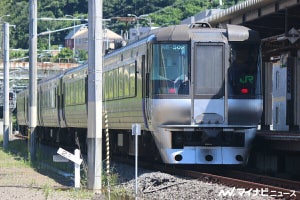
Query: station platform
pixel 278 140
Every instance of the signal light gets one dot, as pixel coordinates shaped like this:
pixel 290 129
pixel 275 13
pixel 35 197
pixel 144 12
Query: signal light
pixel 244 91
pixel 172 91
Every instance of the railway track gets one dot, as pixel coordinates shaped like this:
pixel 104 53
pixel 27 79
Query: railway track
pixel 264 185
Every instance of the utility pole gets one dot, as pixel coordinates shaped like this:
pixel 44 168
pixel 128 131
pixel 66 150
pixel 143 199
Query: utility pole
pixel 32 78
pixel 6 85
pixel 137 23
pixel 94 134
pixel 74 37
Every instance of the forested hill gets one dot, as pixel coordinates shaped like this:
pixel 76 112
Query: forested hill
pixel 162 12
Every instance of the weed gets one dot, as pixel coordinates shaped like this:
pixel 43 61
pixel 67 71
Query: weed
pixel 32 182
pixel 81 194
pixel 47 190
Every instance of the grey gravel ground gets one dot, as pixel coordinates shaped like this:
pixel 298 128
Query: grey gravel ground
pixel 157 185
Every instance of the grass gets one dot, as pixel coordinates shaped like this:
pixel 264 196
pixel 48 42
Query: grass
pixel 47 190
pixel 81 194
pixel 16 156
pixel 11 159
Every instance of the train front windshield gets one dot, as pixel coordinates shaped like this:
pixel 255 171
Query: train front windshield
pixel 170 69
pixel 244 71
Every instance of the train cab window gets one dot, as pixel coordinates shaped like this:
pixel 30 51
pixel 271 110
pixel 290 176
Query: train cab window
pixel 244 71
pixel 170 69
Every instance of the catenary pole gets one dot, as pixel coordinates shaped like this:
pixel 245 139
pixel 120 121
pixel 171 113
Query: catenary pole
pixel 94 134
pixel 6 85
pixel 32 78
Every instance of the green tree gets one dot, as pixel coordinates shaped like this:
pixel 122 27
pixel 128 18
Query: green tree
pixel 82 55
pixel 163 12
pixel 64 55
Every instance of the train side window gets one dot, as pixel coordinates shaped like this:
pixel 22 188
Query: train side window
pixel 72 92
pixel 82 91
pixel 126 81
pixel 52 98
pixel 121 82
pixel 115 83
pixel 111 85
pixel 132 77
pixel 67 94
pixel 77 91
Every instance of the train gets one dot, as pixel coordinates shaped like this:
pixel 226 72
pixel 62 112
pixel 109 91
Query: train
pixel 195 90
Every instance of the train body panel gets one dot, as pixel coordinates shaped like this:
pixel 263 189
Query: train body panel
pixel 22 106
pixel 124 113
pixel 244 111
pixel 74 94
pixel 48 103
pixel 76 116
pixel 169 111
pixel 123 90
pixel 195 91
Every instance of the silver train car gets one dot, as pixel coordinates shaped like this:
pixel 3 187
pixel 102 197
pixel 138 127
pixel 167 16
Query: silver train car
pixel 195 90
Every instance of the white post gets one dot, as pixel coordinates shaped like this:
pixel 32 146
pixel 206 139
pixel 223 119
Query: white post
pixel 136 164
pixel 77 169
pixel 136 130
pixel 94 133
pixel 74 50
pixel 32 78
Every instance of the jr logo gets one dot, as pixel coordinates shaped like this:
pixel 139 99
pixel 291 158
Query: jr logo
pixel 247 79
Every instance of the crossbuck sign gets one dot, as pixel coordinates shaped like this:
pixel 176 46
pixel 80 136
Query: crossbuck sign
pixel 74 158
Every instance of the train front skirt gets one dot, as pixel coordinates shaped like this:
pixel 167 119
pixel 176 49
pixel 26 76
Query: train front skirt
pixel 209 154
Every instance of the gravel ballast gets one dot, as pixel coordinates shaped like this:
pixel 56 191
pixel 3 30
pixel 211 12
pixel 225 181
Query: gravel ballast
pixel 158 185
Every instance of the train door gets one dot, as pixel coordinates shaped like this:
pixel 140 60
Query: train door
pixel 60 106
pixel 208 99
pixel 27 104
pixel 145 91
pixel 39 106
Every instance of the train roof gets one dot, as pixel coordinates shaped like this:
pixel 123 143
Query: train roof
pixel 186 32
pixel 58 76
pixel 78 68
pixel 48 79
